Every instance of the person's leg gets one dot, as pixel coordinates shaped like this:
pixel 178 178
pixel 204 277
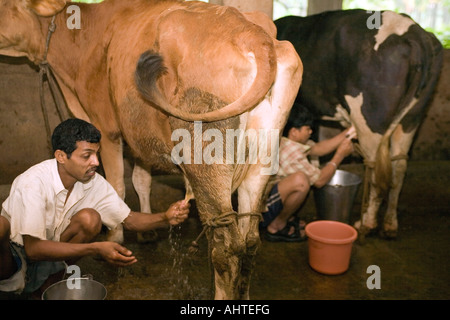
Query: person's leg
pixel 274 207
pixel 293 190
pixel 84 226
pixel 7 264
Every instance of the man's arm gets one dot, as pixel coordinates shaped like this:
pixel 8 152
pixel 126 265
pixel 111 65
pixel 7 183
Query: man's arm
pixel 141 222
pixel 47 250
pixel 325 147
pixel 326 173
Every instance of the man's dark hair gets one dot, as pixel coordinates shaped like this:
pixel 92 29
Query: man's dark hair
pixel 299 116
pixel 68 132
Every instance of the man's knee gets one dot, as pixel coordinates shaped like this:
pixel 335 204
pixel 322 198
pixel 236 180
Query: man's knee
pixel 301 182
pixel 89 220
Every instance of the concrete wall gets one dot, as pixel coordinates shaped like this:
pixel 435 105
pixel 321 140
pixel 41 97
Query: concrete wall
pixel 432 140
pixel 23 138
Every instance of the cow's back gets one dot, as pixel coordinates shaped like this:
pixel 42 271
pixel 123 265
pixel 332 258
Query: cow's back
pixel 319 40
pixel 344 56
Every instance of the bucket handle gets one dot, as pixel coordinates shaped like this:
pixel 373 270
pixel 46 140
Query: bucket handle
pixel 87 276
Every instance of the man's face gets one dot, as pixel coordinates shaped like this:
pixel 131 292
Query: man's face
pixel 84 161
pixel 301 134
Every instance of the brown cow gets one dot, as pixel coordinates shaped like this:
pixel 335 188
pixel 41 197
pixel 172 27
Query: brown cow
pixel 197 62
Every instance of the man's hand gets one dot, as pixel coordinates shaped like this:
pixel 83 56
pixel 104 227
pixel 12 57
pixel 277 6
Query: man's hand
pixel 345 148
pixel 351 133
pixel 177 212
pixel 115 254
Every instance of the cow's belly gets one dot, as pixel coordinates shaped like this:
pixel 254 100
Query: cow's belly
pixel 147 133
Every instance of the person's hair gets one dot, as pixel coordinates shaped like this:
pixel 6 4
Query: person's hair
pixel 298 117
pixel 68 132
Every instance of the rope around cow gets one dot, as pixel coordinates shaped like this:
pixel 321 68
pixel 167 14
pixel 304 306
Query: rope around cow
pixel 46 70
pixel 222 220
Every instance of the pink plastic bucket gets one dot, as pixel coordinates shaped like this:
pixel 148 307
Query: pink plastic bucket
pixel 330 245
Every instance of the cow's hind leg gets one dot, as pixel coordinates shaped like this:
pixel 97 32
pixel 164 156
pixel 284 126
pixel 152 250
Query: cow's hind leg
pixel 227 250
pixel 369 215
pixel 142 180
pixel 268 118
pixel 250 195
pixel 369 143
pixel 213 200
pixel 226 244
pixel 390 222
pixel 112 159
pixel 400 144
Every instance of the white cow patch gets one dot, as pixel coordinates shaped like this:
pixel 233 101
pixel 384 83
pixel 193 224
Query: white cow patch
pixel 341 115
pixel 367 138
pixel 393 23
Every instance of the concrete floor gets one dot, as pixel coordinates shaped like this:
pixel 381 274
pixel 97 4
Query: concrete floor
pixel 415 266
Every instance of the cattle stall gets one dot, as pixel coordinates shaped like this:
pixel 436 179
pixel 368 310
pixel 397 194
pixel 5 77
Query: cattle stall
pixel 414 266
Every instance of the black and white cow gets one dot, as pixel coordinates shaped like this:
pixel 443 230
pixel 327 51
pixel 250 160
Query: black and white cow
pixel 377 70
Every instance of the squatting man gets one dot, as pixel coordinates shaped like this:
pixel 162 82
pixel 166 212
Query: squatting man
pixel 56 208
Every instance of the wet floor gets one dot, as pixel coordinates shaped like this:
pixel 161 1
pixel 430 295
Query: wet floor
pixel 414 266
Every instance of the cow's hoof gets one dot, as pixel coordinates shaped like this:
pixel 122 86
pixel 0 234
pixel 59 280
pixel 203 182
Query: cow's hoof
pixel 361 239
pixel 363 233
pixel 388 234
pixel 147 237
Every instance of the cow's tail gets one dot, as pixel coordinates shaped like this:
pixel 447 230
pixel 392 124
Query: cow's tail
pixel 428 54
pixel 151 66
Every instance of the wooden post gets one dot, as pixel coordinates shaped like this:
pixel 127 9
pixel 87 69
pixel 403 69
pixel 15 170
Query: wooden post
pixel 318 6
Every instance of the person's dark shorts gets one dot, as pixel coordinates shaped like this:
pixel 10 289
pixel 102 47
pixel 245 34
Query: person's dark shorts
pixel 29 275
pixel 274 205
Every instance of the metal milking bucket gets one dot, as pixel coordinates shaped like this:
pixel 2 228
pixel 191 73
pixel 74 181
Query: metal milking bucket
pixel 84 288
pixel 334 201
